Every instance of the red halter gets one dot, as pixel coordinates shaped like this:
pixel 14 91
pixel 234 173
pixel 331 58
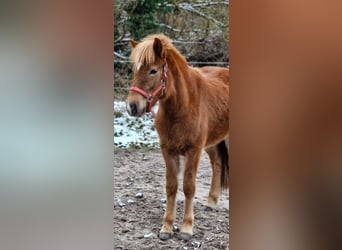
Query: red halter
pixel 149 97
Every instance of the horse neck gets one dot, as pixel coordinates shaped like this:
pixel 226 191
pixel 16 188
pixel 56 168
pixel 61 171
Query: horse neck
pixel 177 83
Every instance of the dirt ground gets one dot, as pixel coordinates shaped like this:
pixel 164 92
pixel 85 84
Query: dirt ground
pixel 139 202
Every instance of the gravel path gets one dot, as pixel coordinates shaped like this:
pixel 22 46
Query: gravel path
pixel 139 201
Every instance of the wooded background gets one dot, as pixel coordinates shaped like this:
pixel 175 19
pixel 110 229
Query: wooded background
pixel 199 29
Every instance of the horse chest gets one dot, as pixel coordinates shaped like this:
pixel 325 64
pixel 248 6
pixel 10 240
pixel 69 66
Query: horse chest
pixel 178 135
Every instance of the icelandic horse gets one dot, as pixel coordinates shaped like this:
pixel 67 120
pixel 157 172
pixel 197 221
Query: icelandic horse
pixel 193 115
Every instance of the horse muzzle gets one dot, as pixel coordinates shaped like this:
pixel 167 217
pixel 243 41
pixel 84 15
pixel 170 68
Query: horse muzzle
pixel 135 108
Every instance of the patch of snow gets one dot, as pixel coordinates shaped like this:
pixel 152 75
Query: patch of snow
pixel 133 131
pixel 186 6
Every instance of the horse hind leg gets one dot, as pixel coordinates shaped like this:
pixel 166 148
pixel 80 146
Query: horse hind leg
pixel 218 156
pixel 215 178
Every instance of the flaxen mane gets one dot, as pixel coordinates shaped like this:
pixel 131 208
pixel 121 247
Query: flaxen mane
pixel 143 53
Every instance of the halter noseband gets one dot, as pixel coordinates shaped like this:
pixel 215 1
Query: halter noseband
pixel 149 97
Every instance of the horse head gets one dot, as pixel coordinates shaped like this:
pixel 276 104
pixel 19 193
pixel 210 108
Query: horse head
pixel 149 59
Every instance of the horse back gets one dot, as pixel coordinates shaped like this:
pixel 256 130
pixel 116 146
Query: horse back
pixel 219 73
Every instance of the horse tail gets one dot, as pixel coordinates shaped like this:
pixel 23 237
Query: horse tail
pixel 224 155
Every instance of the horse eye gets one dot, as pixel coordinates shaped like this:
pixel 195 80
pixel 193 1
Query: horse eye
pixel 153 71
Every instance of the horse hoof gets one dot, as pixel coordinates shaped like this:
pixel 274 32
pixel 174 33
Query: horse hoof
pixel 185 236
pixel 208 209
pixel 164 236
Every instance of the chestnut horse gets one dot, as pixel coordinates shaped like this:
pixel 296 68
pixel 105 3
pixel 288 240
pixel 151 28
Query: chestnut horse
pixel 193 115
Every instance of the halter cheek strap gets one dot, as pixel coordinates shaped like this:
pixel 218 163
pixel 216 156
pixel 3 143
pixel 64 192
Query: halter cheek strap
pixel 150 97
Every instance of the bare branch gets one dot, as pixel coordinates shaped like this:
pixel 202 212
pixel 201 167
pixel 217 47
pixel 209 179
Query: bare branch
pixel 169 27
pixel 210 3
pixel 186 42
pixel 123 34
pixel 189 7
pixel 120 56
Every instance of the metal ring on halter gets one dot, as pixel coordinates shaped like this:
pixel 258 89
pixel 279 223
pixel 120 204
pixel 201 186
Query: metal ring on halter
pixel 149 98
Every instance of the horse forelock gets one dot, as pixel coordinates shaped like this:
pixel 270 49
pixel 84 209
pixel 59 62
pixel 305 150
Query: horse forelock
pixel 143 53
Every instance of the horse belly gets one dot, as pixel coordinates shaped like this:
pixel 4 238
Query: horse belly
pixel 217 120
pixel 217 132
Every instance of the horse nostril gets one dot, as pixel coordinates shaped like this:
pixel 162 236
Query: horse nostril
pixel 134 109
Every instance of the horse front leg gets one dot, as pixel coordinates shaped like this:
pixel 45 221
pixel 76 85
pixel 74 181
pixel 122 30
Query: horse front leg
pixel 172 170
pixel 192 158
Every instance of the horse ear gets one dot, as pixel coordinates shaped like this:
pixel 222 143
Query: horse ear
pixel 133 43
pixel 158 47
